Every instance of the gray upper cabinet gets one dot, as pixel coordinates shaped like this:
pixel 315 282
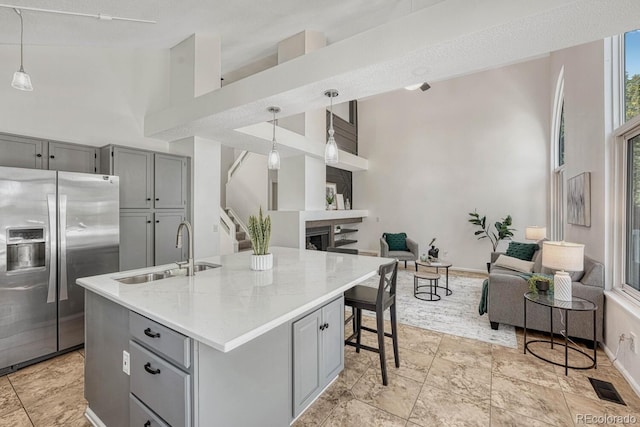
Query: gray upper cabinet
pixel 170 182
pixel 166 228
pixel 136 240
pixel 72 157
pixel 135 169
pixel 21 152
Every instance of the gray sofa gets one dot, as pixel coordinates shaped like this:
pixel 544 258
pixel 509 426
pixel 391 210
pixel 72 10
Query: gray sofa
pixel 410 255
pixel 505 299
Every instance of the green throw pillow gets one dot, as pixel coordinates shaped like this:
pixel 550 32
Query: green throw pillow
pixel 523 251
pixel 396 242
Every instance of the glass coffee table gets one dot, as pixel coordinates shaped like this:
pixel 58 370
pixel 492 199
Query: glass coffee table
pixel 438 265
pixel 575 305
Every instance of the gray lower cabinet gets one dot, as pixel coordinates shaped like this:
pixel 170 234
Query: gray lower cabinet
pixel 20 152
pixel 141 416
pixel 318 354
pixel 135 169
pixel 73 157
pixel 136 239
pixel 166 227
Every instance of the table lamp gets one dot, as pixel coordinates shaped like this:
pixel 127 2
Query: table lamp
pixel 534 232
pixel 561 256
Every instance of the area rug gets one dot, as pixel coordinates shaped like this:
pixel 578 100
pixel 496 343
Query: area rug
pixel 456 314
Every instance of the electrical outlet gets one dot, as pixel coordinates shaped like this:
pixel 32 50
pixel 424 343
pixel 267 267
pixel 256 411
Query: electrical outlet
pixel 632 342
pixel 125 362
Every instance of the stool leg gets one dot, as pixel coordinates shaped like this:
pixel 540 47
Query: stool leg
pixel 353 319
pixel 383 360
pixel 358 328
pixel 394 332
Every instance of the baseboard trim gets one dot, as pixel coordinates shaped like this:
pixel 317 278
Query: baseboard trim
pixel 620 367
pixel 93 418
pixel 469 270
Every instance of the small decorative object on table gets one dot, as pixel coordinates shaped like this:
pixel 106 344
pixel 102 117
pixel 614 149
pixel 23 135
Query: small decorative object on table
pixel 347 205
pixel 260 233
pixel 423 258
pixel 433 252
pixel 540 283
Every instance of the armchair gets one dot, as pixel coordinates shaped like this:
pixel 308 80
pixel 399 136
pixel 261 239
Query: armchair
pixel 411 254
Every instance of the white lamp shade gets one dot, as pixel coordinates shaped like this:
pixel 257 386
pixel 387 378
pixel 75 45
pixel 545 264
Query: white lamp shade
pixel 331 151
pixel 563 256
pixel 22 81
pixel 534 232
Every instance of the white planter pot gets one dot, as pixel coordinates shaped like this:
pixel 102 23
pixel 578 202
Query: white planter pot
pixel 262 262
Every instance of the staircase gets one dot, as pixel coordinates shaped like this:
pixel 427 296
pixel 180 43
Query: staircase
pixel 244 243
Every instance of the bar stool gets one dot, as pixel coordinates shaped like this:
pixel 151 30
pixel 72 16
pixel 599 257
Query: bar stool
pixel 378 300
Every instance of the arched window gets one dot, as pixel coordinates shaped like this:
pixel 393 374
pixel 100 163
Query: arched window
pixel 557 162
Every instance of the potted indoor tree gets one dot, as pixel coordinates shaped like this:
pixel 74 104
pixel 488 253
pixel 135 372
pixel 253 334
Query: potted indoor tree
pixel 502 230
pixel 260 233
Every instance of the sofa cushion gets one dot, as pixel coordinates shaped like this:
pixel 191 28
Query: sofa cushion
pixel 397 241
pixel 522 251
pixel 593 273
pixel 515 264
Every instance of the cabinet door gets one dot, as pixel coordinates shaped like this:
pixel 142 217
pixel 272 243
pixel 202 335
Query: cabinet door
pixel 135 169
pixel 72 157
pixel 136 240
pixel 166 228
pixel 332 337
pixel 306 360
pixel 20 152
pixel 170 182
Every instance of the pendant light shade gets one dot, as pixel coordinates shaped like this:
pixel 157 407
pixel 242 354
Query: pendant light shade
pixel 273 159
pixel 331 148
pixel 21 79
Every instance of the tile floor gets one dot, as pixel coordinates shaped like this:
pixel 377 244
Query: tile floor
pixel 443 380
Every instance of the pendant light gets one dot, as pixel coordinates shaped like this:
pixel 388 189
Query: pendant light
pixel 21 80
pixel 331 148
pixel 273 160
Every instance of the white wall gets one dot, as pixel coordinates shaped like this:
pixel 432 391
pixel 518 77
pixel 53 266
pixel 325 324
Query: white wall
pixel 584 134
pixel 227 157
pixel 94 96
pixel 475 142
pixel 247 190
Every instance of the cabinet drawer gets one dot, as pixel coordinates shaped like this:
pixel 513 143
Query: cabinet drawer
pixel 170 343
pixel 141 416
pixel 161 386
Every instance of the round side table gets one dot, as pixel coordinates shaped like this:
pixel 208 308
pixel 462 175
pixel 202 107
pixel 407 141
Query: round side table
pixel 438 265
pixel 418 289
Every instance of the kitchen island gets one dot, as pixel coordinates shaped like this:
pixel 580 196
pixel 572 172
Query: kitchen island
pixel 227 346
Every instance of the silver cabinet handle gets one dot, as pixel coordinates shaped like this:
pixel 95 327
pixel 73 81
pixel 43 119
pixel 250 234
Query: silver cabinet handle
pixel 53 248
pixel 63 247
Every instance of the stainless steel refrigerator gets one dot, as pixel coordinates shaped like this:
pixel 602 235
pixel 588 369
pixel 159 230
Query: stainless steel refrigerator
pixel 54 228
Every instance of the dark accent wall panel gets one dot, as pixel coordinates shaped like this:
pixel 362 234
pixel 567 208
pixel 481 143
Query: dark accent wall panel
pixel 343 180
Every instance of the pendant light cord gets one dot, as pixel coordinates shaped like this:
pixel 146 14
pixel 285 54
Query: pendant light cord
pixel 21 37
pixel 274 130
pixel 331 131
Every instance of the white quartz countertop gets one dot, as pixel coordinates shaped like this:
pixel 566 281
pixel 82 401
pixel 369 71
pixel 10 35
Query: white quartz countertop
pixel 228 306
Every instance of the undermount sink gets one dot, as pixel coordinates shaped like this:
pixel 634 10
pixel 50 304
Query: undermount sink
pixel 174 272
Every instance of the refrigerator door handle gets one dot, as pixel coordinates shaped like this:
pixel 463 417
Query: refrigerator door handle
pixel 53 248
pixel 63 248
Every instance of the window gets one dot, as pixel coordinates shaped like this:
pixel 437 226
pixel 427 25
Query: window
pixel 557 161
pixel 632 229
pixel 631 74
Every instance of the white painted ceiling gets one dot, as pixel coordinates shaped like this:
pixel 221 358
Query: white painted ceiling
pixel 250 29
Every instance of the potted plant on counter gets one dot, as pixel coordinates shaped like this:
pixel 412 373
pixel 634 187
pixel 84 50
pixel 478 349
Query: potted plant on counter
pixel 260 233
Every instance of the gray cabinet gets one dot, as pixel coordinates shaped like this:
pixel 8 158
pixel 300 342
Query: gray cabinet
pixel 318 352
pixel 136 239
pixel 166 227
pixel 135 169
pixel 20 152
pixel 73 157
pixel 170 182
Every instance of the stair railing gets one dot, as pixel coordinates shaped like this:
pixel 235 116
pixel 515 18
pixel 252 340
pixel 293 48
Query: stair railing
pixel 239 221
pixel 236 164
pixel 230 228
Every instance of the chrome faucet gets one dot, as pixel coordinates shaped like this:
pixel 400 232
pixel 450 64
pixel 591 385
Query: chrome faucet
pixel 179 244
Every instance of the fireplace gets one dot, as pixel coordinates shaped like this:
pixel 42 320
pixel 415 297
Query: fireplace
pixel 317 238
